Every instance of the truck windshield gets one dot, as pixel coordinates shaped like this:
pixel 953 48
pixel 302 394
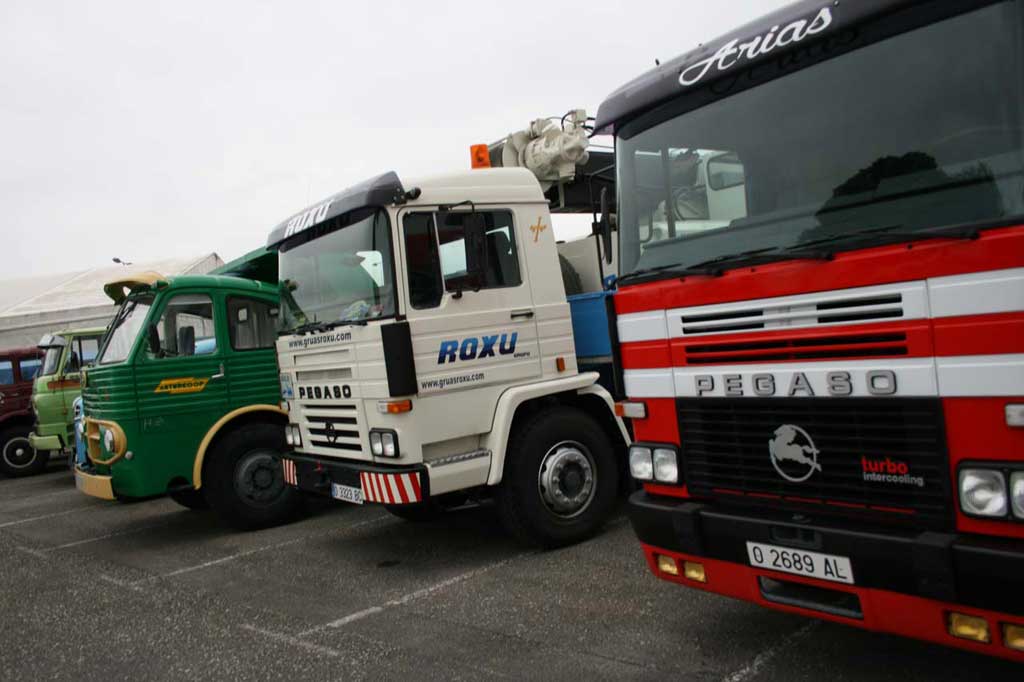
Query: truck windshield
pixel 124 329
pixel 917 132
pixel 51 360
pixel 338 272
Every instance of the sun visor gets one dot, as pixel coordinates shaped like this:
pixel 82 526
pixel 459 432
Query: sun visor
pixel 119 289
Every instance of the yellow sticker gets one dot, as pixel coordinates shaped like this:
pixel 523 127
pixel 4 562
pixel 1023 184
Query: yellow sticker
pixel 182 385
pixel 537 229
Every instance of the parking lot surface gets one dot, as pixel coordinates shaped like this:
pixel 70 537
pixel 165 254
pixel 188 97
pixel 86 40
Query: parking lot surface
pixel 95 590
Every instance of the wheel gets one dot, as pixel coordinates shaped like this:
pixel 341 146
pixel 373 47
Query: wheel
pixel 560 479
pixel 17 456
pixel 570 278
pixel 243 481
pixel 190 498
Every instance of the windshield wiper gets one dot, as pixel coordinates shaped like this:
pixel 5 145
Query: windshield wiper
pixel 896 233
pixel 673 269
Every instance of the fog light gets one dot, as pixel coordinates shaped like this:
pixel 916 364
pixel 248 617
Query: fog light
pixel 983 492
pixel 1017 493
pixel 694 571
pixel 665 468
pixel 375 444
pixel 387 440
pixel 1013 636
pixel 641 466
pixel 1015 415
pixel 667 564
pixel 969 627
pixel 108 440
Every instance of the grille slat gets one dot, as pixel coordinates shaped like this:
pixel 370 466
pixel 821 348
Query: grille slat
pixel 726 448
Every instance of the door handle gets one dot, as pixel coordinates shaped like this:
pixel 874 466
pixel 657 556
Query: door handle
pixel 522 314
pixel 220 374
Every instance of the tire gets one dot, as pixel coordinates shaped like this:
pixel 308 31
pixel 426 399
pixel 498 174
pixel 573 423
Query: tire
pixel 570 278
pixel 243 480
pixel 17 456
pixel 190 498
pixel 566 440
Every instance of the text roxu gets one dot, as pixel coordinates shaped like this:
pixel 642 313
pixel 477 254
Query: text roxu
pixel 474 348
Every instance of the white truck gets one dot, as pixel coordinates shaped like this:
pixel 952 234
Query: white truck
pixel 427 352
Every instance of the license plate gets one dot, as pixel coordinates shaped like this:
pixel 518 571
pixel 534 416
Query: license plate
pixel 347 493
pixel 801 562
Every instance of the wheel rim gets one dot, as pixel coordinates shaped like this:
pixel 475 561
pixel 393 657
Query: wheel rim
pixel 567 479
pixel 19 453
pixel 258 478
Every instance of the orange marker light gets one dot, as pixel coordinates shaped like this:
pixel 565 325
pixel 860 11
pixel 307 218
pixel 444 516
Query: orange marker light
pixel 560 364
pixel 480 156
pixel 394 406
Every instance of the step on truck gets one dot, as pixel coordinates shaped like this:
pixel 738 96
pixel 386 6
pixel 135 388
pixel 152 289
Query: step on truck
pixel 427 351
pixel 184 400
pixel 825 372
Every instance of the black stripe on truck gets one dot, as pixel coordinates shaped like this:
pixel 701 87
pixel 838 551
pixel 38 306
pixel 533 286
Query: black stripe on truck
pixel 398 358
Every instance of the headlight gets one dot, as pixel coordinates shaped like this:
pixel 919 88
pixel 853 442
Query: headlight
pixel 108 440
pixel 666 470
pixel 641 466
pixel 384 443
pixel 983 492
pixel 1017 493
pixel 292 435
pixel 287 392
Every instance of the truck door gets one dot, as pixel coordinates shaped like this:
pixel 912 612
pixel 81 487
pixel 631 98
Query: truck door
pixel 81 352
pixel 468 334
pixel 180 380
pixel 251 357
pixel 20 399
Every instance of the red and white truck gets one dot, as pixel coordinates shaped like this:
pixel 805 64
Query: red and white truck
pixel 821 316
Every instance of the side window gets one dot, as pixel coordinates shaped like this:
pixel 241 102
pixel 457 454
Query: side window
pixel 435 247
pixel 251 323
pixel 6 373
pixel 83 353
pixel 29 368
pixel 186 327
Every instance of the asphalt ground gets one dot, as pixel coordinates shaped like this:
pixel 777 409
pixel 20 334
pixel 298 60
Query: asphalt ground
pixel 100 590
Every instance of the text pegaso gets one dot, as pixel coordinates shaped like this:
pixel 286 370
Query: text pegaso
pixel 733 51
pixel 877 382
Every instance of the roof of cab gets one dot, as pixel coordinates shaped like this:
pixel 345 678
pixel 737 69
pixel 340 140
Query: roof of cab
pixel 665 82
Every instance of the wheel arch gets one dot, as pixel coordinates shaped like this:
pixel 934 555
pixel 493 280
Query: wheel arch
pixel 229 422
pixel 519 403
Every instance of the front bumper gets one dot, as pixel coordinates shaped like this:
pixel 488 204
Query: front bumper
pixel 94 485
pixel 905 582
pixel 379 484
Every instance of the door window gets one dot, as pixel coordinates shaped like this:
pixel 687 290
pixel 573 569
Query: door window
pixel 83 353
pixel 186 328
pixel 435 251
pixel 251 323
pixel 6 373
pixel 29 368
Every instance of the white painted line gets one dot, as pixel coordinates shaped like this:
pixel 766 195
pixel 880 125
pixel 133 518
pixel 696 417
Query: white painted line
pixel 412 596
pixel 86 541
pixel 294 641
pixel 40 518
pixel 34 552
pixel 120 583
pixel 763 658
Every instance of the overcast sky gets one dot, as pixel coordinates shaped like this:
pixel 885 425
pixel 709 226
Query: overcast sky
pixel 152 129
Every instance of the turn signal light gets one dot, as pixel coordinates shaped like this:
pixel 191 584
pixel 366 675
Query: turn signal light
pixel 394 406
pixel 667 564
pixel 969 627
pixel 631 410
pixel 480 156
pixel 1013 636
pixel 694 571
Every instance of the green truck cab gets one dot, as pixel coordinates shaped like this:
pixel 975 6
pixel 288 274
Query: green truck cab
pixel 66 354
pixel 184 398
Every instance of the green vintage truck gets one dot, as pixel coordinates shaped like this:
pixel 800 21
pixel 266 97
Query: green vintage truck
pixel 66 353
pixel 184 398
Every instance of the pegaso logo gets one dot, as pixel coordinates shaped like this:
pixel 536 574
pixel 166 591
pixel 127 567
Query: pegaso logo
pixel 876 382
pixel 793 453
pixel 730 54
pixel 325 391
pixel 475 348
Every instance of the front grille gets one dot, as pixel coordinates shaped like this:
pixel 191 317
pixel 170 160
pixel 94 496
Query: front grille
pixel 727 447
pixel 333 425
pixel 820 347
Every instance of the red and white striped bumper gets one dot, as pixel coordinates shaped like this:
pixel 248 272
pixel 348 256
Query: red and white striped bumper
pixel 290 477
pixel 391 488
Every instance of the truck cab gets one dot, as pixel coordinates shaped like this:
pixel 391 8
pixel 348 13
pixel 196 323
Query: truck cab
pixel 18 369
pixel 427 355
pixel 183 399
pixel 66 353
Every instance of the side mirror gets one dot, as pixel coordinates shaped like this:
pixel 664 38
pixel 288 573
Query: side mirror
pixel 476 247
pixel 603 226
pixel 153 338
